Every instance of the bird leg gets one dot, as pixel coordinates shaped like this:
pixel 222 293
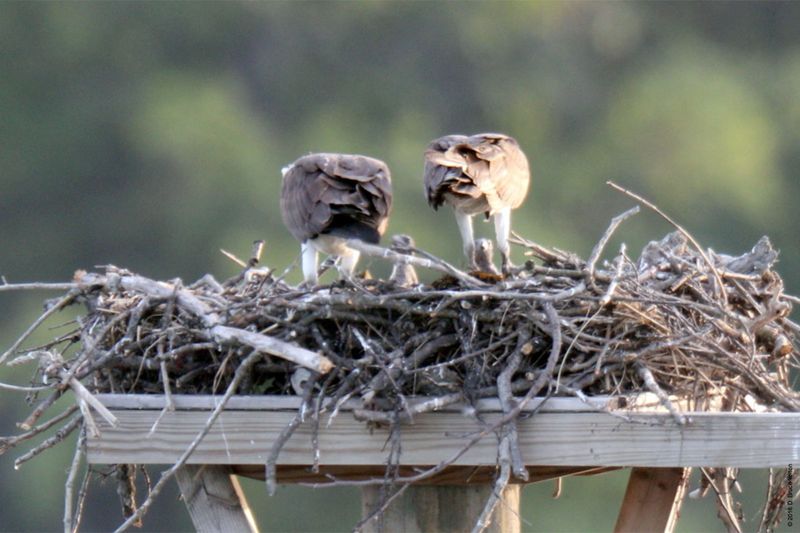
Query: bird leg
pixel 347 263
pixel 502 229
pixel 326 265
pixel 310 258
pixel 465 227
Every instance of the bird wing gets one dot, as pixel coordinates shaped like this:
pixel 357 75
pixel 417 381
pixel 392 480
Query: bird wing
pixel 342 194
pixel 488 165
pixel 444 169
pixel 499 168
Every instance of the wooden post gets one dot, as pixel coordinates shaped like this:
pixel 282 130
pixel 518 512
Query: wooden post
pixel 652 500
pixel 442 508
pixel 214 499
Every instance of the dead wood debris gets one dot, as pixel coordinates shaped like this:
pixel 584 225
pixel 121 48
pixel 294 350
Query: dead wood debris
pixel 677 321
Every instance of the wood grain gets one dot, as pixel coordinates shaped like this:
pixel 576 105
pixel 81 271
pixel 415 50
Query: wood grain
pixel 447 509
pixel 652 500
pixel 214 499
pixel 745 440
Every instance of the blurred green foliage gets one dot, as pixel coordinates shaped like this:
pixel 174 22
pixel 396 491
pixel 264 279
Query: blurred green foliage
pixel 149 135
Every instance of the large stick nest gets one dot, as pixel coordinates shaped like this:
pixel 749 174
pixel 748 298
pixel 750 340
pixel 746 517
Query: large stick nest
pixel 678 321
pixel 696 327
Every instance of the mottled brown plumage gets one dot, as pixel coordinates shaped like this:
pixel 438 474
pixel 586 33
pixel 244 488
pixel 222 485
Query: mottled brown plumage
pixel 485 173
pixel 335 194
pixel 327 199
pixel 403 274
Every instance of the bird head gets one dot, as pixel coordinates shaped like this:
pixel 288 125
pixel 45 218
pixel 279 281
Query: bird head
pixel 484 247
pixel 402 242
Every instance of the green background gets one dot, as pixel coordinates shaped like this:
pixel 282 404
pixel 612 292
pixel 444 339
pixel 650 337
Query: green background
pixel 150 135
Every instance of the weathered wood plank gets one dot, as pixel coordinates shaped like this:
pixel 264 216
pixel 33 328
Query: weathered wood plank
pixel 446 509
pixel 277 403
pixel 639 402
pixel 745 440
pixel 214 499
pixel 652 500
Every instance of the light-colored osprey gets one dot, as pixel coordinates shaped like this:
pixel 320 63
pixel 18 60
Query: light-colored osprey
pixel 486 173
pixel 327 199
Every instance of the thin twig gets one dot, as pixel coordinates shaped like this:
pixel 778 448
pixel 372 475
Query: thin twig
pixel 652 386
pixel 270 468
pixel 612 287
pixel 6 443
pixel 59 436
pixel 500 484
pixel 601 244
pixel 80 504
pixel 507 403
pixel 58 306
pixel 241 372
pixel 69 522
pixel 424 262
pixel 37 286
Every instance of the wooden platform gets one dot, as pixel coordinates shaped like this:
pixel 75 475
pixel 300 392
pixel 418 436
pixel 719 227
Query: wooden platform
pixel 564 437
pixel 564 432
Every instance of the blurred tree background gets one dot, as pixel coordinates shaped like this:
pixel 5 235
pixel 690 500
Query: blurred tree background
pixel 150 135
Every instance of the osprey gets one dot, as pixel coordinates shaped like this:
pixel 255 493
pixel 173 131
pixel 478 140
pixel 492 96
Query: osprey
pixel 403 274
pixel 328 199
pixel 486 173
pixel 483 251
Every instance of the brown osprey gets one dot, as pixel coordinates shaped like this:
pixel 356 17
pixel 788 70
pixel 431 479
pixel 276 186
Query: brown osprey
pixel 327 199
pixel 403 274
pixel 483 252
pixel 485 173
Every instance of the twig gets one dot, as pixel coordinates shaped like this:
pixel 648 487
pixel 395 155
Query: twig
pixel 37 286
pixel 548 255
pixel 58 306
pixel 18 388
pixel 82 494
pixel 500 484
pixel 59 436
pixel 6 443
pixel 720 286
pixel 243 369
pixel 84 395
pixel 601 244
pixel 270 468
pixel 612 287
pixel 39 410
pixel 423 262
pixel 726 514
pixel 506 401
pixel 311 360
pixel 233 258
pixel 69 523
pixel 652 386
